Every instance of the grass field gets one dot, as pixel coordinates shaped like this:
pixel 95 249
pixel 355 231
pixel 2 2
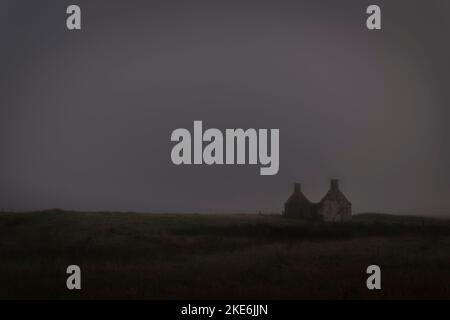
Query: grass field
pixel 175 256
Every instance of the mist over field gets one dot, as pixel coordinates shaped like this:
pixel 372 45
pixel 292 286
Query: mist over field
pixel 86 117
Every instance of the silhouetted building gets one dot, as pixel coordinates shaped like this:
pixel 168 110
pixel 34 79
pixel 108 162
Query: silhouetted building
pixel 298 206
pixel 334 206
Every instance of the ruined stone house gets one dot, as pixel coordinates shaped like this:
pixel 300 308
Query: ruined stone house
pixel 334 206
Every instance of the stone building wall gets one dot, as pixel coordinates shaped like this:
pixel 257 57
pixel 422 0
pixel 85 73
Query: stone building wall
pixel 333 207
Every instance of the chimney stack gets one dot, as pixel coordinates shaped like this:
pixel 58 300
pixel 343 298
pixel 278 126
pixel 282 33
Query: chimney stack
pixel 334 184
pixel 297 187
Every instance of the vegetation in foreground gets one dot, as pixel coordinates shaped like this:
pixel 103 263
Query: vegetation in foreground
pixel 178 256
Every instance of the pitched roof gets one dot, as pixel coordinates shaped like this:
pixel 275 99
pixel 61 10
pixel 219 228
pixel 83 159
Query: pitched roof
pixel 297 196
pixel 334 194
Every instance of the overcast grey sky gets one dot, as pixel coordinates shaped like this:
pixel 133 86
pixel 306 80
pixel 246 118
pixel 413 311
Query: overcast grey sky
pixel 86 116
